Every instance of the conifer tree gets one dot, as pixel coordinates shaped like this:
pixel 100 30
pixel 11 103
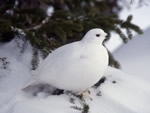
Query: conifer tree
pixel 70 20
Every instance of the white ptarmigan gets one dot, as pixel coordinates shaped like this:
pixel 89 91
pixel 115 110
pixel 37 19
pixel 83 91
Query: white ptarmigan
pixel 78 65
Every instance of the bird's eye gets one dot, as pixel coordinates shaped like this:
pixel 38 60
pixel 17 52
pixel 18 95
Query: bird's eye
pixel 98 35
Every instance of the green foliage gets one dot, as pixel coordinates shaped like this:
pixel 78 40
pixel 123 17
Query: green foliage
pixel 72 100
pixel 129 26
pixel 69 22
pixel 3 63
pixel 85 108
pixel 113 62
pixel 6 33
pixel 76 107
pixel 35 59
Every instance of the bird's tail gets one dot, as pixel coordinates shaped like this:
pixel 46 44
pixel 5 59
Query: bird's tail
pixel 33 81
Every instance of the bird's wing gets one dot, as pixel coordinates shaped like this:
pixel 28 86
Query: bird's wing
pixel 61 53
pixel 55 62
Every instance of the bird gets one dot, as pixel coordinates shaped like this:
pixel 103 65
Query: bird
pixel 76 66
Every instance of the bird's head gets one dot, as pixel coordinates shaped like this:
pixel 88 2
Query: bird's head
pixel 96 35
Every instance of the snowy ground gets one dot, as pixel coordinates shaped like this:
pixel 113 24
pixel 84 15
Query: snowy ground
pixel 120 93
pixel 135 56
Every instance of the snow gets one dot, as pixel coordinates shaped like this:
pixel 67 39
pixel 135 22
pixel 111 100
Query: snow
pixel 50 11
pixel 135 56
pixel 17 72
pixel 128 94
pixel 53 104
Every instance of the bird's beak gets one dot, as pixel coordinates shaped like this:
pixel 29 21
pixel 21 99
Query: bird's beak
pixel 106 37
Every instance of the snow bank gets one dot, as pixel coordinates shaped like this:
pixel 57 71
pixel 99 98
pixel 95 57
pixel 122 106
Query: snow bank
pixel 17 73
pixel 120 93
pixel 135 56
